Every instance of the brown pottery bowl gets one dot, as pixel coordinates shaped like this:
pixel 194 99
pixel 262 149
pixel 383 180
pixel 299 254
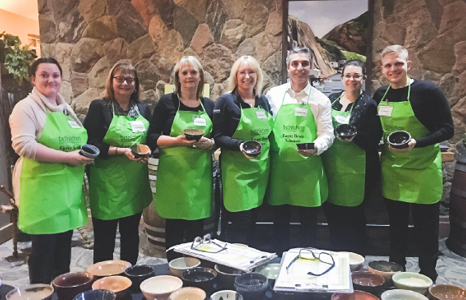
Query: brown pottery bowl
pixel 69 285
pixel 445 291
pixel 108 268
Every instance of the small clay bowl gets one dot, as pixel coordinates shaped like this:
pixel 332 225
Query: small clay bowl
pixel 160 287
pixel 305 146
pixel 446 291
pixel 193 134
pixel 140 150
pixel 188 293
pixel 384 268
pixel 202 278
pixel 251 285
pixel 412 281
pixel 117 284
pixel 399 139
pixel 181 264
pixel 137 274
pixel 68 285
pixel 368 282
pixel 89 151
pixel 252 148
pixel 398 294
pixel 108 268
pixel 357 295
pixel 346 131
pixel 226 295
pixel 226 276
pixel 96 295
pixel 36 291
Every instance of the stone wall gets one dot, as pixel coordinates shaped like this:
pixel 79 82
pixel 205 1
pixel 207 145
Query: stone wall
pixel 88 36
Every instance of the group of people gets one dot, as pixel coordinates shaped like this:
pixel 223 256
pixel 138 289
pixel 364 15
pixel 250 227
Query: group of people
pixel 335 173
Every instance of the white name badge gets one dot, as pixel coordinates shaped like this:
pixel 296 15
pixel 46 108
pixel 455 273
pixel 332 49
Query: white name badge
pixel 138 126
pixel 300 112
pixel 261 114
pixel 342 119
pixel 200 122
pixel 73 124
pixel 385 111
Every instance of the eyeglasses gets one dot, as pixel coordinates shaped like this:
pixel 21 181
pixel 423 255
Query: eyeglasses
pixel 354 76
pixel 308 254
pixel 121 79
pixel 202 244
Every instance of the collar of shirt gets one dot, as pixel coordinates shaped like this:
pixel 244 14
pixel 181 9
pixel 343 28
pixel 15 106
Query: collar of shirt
pixel 300 97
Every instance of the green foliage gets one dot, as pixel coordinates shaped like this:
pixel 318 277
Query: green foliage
pixel 353 55
pixel 17 59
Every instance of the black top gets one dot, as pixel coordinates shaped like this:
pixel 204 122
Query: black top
pixel 164 114
pixel 100 116
pixel 227 115
pixel 429 106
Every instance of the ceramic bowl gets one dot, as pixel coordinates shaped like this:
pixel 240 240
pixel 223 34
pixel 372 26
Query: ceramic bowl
pixel 445 291
pixel 397 294
pixel 357 295
pixel 140 150
pixel 181 264
pixel 89 151
pixel 270 271
pixel 399 139
pixel 36 291
pixel 108 268
pixel 160 287
pixel 346 131
pixel 188 293
pixel 368 282
pixel 226 295
pixel 305 146
pixel 356 261
pixel 137 274
pixel 226 276
pixel 193 134
pixel 251 285
pixel 96 295
pixel 117 284
pixel 412 281
pixel 252 148
pixel 203 278
pixel 68 285
pixel 384 268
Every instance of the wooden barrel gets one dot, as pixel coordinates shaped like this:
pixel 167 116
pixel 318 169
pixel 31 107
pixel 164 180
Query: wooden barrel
pixel 456 242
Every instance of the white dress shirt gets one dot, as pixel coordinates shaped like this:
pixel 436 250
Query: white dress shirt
pixel 320 107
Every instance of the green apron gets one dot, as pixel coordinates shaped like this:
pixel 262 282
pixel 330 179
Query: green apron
pixel 245 180
pixel 184 180
pixel 119 187
pixel 345 166
pixel 295 179
pixel 51 199
pixel 414 176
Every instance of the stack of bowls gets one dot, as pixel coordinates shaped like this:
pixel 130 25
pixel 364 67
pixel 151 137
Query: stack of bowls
pixel 251 285
pixel 181 264
pixel 226 276
pixel 412 281
pixel 445 291
pixel 108 268
pixel 116 284
pixel 137 274
pixel 36 291
pixel 160 287
pixel 68 285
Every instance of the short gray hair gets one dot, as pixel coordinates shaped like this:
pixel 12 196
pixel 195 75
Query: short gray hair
pixel 296 50
pixel 398 49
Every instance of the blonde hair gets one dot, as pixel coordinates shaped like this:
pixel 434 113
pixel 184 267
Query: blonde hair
pixel 252 62
pixel 193 62
pixel 398 49
pixel 125 68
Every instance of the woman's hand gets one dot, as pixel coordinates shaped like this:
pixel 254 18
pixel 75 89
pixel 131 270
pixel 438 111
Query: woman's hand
pixel 129 154
pixel 242 150
pixel 166 141
pixel 308 152
pixel 345 140
pixel 204 143
pixel 75 159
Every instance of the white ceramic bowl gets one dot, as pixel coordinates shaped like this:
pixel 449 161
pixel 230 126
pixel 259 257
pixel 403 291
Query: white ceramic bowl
pixel 108 268
pixel 181 264
pixel 36 291
pixel 188 293
pixel 412 281
pixel 226 295
pixel 160 287
pixel 356 261
pixel 398 294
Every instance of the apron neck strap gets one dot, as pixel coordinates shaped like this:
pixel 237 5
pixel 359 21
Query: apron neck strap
pixel 353 103
pixel 308 96
pixel 409 90
pixel 179 104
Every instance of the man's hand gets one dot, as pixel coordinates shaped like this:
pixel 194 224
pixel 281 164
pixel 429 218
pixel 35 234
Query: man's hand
pixel 411 144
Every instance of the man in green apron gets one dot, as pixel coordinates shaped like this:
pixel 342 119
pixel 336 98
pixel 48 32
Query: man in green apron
pixel 412 176
pixel 297 178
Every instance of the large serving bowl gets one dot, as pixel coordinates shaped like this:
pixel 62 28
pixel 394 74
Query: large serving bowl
pixel 226 276
pixel 108 268
pixel 445 291
pixel 251 285
pixel 356 261
pixel 68 285
pixel 160 287
pixel 412 281
pixel 188 293
pixel 398 294
pixel 226 295
pixel 181 264
pixel 117 284
pixel 202 278
pixel 357 295
pixel 96 295
pixel 137 274
pixel 384 268
pixel 368 282
pixel 36 291
pixel 270 271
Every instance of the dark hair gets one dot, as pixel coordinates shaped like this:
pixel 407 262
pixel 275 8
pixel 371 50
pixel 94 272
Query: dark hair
pixel 43 60
pixel 356 63
pixel 125 67
pixel 304 50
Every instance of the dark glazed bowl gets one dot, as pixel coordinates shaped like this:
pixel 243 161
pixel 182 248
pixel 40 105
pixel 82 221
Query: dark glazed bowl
pixel 96 295
pixel 89 151
pixel 386 269
pixel 193 134
pixel 251 285
pixel 137 274
pixel 68 285
pixel 368 282
pixel 305 146
pixel 252 148
pixel 226 276
pixel 346 131
pixel 36 291
pixel 202 278
pixel 399 139
pixel 140 150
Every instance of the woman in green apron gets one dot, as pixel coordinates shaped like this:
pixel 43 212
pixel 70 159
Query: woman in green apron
pixel 239 116
pixel 352 166
pixel 118 181
pixel 48 177
pixel 184 175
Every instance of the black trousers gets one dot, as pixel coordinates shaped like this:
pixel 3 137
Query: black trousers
pixel 50 256
pixel 307 231
pixel 347 226
pixel 179 231
pixel 426 228
pixel 105 233
pixel 242 227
